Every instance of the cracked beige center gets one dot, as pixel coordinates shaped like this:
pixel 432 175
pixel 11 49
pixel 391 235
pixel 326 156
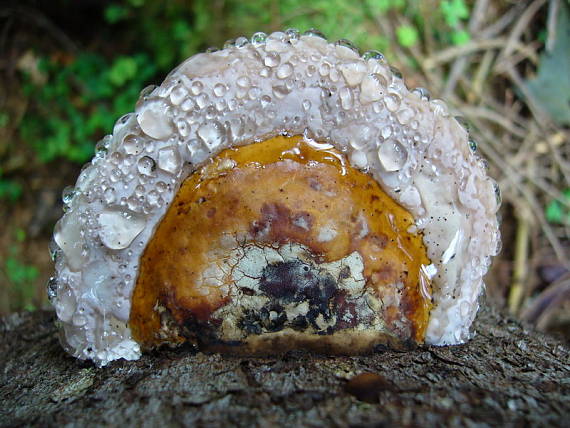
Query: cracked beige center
pixel 278 245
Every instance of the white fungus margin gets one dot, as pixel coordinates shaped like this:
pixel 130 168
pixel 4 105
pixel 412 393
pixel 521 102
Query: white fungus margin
pixel 250 91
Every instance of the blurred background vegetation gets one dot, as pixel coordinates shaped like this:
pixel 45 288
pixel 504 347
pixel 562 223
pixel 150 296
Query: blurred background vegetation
pixel 69 69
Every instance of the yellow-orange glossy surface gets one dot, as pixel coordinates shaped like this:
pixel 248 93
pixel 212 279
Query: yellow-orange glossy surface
pixel 281 190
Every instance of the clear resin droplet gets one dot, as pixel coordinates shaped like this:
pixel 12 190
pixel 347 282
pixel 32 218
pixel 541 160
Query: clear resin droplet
pixel 272 59
pixel 284 71
pixel 346 98
pixel 243 82
pixel 375 55
pixel 386 132
pixel 347 44
pixel 392 155
pixel 212 134
pixel 258 38
pixel 178 95
pixel 146 165
pixel 293 33
pixel 169 160
pixel 154 122
pixel 68 194
pixel 102 146
pixel 498 196
pixel 52 288
pixel 241 42
pixel 53 249
pixel 392 102
pixel 133 145
pixel 220 90
pixel 423 93
pixel 119 228
pixel 313 32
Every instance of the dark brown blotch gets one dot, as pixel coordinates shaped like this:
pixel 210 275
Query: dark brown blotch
pixel 368 387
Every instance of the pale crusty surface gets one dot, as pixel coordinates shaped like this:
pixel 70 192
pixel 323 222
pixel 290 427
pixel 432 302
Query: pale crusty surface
pixel 285 84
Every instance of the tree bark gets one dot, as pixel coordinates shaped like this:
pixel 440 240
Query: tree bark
pixel 508 375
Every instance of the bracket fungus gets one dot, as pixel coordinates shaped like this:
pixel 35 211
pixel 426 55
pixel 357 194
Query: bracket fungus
pixel 284 192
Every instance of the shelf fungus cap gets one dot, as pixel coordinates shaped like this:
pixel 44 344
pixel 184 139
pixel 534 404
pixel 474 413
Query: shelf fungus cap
pixel 284 192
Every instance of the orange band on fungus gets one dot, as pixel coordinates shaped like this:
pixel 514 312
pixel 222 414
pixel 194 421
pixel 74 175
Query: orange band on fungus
pixel 280 191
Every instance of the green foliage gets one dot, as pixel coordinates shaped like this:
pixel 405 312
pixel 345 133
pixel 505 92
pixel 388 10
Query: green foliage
pixel 383 6
pixel 551 87
pixel 337 19
pixel 82 98
pixel 407 35
pixel 80 103
pixel 115 13
pixel 136 3
pixel 558 212
pixel 167 31
pixel 460 37
pixel 123 69
pixel 19 273
pixel 454 12
pixel 4 119
pixel 143 40
pixel 21 276
pixel 10 190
